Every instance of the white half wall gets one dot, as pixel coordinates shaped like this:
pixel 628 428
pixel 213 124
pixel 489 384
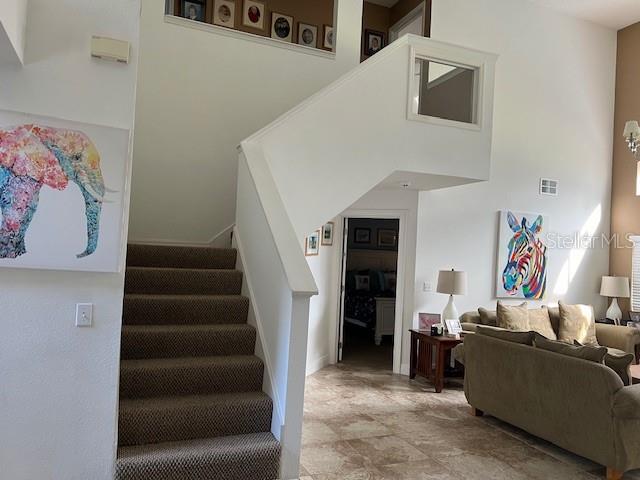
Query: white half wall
pixel 60 383
pixel 199 94
pixel 553 117
pixel 13 25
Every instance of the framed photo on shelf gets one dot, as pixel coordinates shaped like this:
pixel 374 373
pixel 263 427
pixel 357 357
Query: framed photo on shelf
pixel 312 244
pixel 387 238
pixel 453 326
pixel 327 234
pixel 374 41
pixel 253 13
pixel 307 35
pixel 282 27
pixel 224 13
pixel 193 10
pixel 327 37
pixel 362 235
pixel 428 320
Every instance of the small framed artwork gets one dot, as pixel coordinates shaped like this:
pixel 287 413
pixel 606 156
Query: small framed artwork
pixel 374 41
pixel 363 282
pixel 193 10
pixel 253 14
pixel 453 326
pixel 327 234
pixel 224 13
pixel 362 235
pixel 327 37
pixel 387 238
pixel 307 35
pixel 634 316
pixel 428 320
pixel 312 244
pixel 282 27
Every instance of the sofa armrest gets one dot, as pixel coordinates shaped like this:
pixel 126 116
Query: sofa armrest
pixel 623 338
pixel 626 419
pixel 469 327
pixel 626 403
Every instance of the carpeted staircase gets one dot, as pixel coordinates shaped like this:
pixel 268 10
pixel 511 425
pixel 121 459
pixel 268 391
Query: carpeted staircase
pixel 191 400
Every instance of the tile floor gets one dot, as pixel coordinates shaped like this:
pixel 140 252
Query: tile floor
pixel 367 424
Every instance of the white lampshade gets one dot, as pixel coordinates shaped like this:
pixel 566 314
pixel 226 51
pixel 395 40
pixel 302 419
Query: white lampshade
pixel 452 282
pixel 631 128
pixel 616 287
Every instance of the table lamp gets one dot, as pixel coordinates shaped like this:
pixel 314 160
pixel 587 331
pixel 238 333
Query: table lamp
pixel 614 288
pixel 451 282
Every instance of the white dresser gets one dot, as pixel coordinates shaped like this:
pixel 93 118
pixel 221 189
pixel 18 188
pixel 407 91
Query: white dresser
pixel 385 317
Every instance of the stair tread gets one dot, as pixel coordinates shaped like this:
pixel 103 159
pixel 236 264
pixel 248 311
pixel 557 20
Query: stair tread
pixel 185 296
pixel 236 457
pixel 203 327
pixel 183 401
pixel 181 270
pixel 147 363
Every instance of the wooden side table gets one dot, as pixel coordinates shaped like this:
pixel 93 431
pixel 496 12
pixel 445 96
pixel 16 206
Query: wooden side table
pixel 422 346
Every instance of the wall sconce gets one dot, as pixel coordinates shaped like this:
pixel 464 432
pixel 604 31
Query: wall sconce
pixel 632 136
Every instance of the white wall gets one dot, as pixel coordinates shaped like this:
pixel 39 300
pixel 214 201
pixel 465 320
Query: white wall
pixel 323 311
pixel 13 18
pixel 184 181
pixel 553 118
pixel 58 392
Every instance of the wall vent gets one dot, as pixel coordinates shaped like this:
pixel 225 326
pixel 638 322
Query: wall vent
pixel 548 187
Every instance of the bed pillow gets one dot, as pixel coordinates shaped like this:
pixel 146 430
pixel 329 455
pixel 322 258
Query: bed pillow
pixel 363 282
pixel 513 317
pixel 577 322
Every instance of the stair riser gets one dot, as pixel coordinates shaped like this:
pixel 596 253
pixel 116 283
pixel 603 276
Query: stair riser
pixel 140 345
pixel 180 257
pixel 145 383
pixel 186 311
pixel 197 282
pixel 143 426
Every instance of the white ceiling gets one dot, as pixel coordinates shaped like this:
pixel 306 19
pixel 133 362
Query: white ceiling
pixel 384 3
pixel 609 13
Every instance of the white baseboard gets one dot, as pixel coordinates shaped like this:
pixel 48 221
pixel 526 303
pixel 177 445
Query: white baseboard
pixel 317 364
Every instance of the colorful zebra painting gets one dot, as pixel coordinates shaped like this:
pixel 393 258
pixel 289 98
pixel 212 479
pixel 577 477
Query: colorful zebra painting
pixel 523 273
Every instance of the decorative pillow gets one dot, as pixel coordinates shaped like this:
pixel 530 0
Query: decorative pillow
pixel 525 338
pixel 577 322
pixel 618 361
pixel 585 352
pixel 513 317
pixel 539 321
pixel 363 282
pixel 488 317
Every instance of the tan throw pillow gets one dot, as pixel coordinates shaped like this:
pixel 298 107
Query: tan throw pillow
pixel 513 317
pixel 577 322
pixel 525 338
pixel 539 321
pixel 585 352
pixel 487 317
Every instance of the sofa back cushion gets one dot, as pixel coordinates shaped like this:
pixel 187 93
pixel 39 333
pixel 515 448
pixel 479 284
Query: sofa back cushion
pixel 524 338
pixel 618 361
pixel 577 323
pixel 540 322
pixel 513 317
pixel 488 317
pixel 585 352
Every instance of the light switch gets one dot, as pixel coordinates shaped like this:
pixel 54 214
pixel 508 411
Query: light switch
pixel 427 287
pixel 84 314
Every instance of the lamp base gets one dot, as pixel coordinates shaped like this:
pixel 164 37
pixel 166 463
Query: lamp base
pixel 450 312
pixel 613 312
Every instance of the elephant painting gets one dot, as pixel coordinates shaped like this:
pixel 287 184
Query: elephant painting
pixel 32 156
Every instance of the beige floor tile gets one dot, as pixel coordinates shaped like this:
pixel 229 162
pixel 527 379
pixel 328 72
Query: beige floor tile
pixel 386 450
pixel 357 426
pixel 317 431
pixel 422 470
pixel 338 457
pixel 360 474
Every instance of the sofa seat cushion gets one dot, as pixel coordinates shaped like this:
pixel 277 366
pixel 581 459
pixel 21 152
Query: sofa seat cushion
pixel 577 322
pixel 525 338
pixel 488 317
pixel 585 352
pixel 513 317
pixel 540 322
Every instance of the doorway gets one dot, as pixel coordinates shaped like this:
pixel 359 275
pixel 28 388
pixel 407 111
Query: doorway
pixel 412 23
pixel 371 298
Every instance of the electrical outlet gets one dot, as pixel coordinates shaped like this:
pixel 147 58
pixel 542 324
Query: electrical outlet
pixel 427 287
pixel 84 314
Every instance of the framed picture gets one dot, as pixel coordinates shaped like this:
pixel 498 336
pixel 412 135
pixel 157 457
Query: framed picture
pixel 327 234
pixel 363 282
pixel 362 235
pixel 327 37
pixel 387 238
pixel 307 35
pixel 224 13
pixel 312 244
pixel 453 326
pixel 193 10
pixel 253 13
pixel 634 316
pixel 374 41
pixel 428 320
pixel 282 27
pixel 522 256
